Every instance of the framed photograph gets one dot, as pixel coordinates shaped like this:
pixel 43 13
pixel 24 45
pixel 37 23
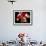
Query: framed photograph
pixel 22 17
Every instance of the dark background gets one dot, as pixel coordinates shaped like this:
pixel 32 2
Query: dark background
pixel 28 19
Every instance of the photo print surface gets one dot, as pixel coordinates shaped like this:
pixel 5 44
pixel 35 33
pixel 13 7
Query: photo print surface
pixel 22 16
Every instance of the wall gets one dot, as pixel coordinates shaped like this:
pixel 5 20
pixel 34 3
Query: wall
pixel 9 32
